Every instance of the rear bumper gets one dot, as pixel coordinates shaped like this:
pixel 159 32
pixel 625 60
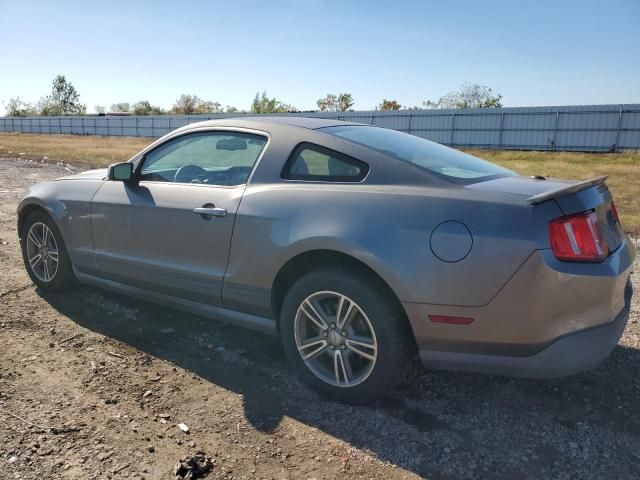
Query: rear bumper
pixel 551 319
pixel 573 353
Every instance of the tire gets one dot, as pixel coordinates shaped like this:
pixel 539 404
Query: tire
pixel 60 275
pixel 373 308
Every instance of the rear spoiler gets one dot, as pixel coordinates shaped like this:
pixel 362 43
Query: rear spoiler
pixel 571 188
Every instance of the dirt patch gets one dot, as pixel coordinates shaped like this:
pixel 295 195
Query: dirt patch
pixel 101 382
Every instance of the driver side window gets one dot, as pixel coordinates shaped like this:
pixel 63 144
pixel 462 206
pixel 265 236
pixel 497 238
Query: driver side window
pixel 212 158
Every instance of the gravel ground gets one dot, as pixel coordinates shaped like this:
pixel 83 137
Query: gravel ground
pixel 115 376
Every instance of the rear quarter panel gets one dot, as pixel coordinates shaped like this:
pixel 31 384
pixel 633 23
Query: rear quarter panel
pixel 388 229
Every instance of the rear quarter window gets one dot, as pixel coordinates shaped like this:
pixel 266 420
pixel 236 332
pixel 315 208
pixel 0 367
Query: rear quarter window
pixel 314 163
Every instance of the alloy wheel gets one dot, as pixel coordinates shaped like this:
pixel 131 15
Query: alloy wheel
pixel 42 252
pixel 335 339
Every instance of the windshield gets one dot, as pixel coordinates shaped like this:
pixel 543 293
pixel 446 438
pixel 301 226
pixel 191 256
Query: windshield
pixel 444 161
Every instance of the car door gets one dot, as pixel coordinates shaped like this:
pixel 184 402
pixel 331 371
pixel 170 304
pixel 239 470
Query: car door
pixel 170 231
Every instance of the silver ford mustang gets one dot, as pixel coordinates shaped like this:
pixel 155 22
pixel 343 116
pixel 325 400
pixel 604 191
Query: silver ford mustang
pixel 360 246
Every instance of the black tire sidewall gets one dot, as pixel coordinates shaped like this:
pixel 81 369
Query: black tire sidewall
pixel 64 277
pixel 387 323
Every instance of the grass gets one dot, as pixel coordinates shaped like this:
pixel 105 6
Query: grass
pixel 86 151
pixel 623 168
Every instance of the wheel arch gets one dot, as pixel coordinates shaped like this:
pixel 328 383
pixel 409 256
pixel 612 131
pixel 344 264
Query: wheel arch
pixel 310 260
pixel 27 209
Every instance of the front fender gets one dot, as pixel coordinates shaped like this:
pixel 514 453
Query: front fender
pixel 40 195
pixel 68 202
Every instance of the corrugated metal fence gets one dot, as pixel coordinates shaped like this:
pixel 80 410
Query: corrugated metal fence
pixel 569 128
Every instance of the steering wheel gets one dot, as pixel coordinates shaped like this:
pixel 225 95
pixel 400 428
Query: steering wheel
pixel 191 173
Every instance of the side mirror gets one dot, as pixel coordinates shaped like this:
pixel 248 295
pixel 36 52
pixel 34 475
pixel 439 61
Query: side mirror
pixel 121 172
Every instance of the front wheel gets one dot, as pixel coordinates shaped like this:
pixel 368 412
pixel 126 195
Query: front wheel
pixel 343 335
pixel 44 253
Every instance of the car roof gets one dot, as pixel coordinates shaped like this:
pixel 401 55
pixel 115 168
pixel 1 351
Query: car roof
pixel 265 121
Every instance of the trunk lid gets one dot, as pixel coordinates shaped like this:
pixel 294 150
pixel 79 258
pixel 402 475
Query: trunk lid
pixel 571 196
pixel 538 189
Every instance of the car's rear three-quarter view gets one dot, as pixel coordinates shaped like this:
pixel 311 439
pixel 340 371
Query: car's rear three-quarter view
pixel 359 246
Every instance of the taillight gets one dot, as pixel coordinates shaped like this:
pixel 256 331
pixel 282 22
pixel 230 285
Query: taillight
pixel 577 238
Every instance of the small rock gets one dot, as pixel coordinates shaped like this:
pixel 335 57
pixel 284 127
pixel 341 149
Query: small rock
pixel 198 465
pixel 13 459
pixel 183 427
pixel 146 394
pixel 151 448
pixel 191 444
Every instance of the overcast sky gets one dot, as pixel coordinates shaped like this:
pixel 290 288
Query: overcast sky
pixel 533 53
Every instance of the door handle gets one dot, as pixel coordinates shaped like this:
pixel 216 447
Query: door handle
pixel 208 212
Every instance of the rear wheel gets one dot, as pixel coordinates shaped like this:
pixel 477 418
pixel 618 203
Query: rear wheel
pixel 44 253
pixel 343 335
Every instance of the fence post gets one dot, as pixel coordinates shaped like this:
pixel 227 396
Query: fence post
pixel 82 125
pixel 137 126
pixel 409 125
pixel 453 128
pixel 615 146
pixel 555 131
pixel 152 127
pixel 501 130
pixel 59 125
pixel 373 118
pixel 95 128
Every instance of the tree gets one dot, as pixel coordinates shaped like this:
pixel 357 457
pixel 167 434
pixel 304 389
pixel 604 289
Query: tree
pixel 121 107
pixel 335 103
pixel 194 105
pixel 17 107
pixel 231 109
pixel 63 100
pixel 264 104
pixel 389 105
pixel 469 96
pixel 144 107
